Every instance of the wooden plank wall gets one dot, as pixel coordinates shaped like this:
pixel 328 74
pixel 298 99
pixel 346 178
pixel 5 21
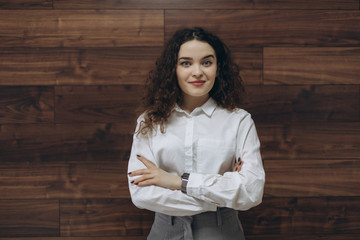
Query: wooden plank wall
pixel 71 75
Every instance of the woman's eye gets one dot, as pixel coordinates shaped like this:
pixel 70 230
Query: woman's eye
pixel 185 64
pixel 207 63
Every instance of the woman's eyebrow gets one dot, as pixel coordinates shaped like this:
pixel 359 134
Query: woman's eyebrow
pixel 209 56
pixel 189 58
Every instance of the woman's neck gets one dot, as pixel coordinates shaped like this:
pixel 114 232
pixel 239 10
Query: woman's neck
pixel 189 103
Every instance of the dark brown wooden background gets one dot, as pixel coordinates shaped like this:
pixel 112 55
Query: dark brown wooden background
pixel 71 74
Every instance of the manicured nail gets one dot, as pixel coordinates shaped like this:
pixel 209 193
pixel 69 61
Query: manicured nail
pixel 129 173
pixel 132 181
pixel 138 155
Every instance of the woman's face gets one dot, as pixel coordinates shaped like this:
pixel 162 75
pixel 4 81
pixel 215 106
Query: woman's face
pixel 196 69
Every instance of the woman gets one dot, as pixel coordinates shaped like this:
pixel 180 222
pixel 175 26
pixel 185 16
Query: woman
pixel 195 158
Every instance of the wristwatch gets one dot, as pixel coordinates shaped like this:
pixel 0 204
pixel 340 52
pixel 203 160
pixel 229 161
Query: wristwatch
pixel 184 181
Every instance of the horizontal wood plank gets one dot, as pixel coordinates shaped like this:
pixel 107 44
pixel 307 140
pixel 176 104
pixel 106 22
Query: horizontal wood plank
pixel 272 27
pixel 104 176
pixel 300 216
pixel 85 238
pixel 22 218
pixel 311 178
pixel 97 103
pixel 26 104
pixel 312 141
pixel 81 28
pixel 311 65
pixel 300 103
pixel 208 4
pixel 104 217
pixel 45 142
pixel 95 66
pixel 26 4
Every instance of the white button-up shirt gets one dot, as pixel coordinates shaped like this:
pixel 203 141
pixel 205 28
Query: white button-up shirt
pixel 206 144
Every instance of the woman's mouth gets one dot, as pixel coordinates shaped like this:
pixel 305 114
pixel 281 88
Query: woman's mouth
pixel 197 83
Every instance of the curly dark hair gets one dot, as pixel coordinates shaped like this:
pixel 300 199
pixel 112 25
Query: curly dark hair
pixel 162 91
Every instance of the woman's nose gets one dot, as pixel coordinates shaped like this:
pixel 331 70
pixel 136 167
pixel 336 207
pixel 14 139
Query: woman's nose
pixel 197 71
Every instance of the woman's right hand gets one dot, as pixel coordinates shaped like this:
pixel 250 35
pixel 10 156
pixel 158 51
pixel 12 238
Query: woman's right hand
pixel 238 165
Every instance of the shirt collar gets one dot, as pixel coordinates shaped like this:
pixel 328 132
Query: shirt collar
pixel 208 107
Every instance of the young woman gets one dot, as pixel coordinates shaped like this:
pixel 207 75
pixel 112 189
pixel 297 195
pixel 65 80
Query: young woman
pixel 195 158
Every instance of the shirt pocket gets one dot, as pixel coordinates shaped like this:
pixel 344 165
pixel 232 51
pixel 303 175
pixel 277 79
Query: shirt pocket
pixel 215 156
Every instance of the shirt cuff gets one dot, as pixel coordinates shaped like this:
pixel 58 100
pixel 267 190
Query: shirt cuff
pixel 197 184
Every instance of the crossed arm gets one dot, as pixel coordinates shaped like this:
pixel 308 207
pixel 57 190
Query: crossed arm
pixel 152 175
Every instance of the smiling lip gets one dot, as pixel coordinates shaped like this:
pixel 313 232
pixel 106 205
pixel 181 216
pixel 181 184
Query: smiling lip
pixel 197 83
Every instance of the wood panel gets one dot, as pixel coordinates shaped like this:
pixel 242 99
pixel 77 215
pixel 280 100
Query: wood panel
pixel 103 218
pixel 250 61
pixel 315 236
pixel 210 4
pixel 311 178
pixel 97 104
pixel 299 103
pixel 85 238
pixel 26 104
pixel 81 28
pixel 45 142
pixel 77 176
pixel 311 65
pixel 272 27
pixel 49 66
pixel 299 216
pixel 312 141
pixel 26 4
pixel 29 218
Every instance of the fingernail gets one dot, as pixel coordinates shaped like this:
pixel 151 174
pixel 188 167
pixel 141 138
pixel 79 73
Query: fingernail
pixel 138 155
pixel 129 173
pixel 132 181
pixel 136 183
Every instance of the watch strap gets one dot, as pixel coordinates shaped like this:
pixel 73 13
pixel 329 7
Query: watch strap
pixel 184 182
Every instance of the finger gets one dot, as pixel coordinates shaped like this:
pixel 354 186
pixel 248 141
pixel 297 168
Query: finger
pixel 141 179
pixel 140 172
pixel 146 162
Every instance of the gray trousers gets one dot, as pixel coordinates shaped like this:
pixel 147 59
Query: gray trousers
pixel 223 224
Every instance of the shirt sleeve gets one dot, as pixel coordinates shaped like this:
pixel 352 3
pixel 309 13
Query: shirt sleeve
pixel 238 190
pixel 158 199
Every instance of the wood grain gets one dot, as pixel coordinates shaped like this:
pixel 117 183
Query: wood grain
pixel 112 66
pixel 43 142
pixel 303 103
pixel 312 178
pixel 29 218
pixel 95 66
pixel 26 4
pixel 298 216
pixel 250 61
pixel 106 217
pixel 272 27
pixel 81 28
pixel 26 104
pixel 311 141
pixel 97 104
pixel 209 4
pixel 104 176
pixel 311 65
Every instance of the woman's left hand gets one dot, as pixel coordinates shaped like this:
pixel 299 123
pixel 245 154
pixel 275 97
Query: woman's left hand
pixel 152 175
